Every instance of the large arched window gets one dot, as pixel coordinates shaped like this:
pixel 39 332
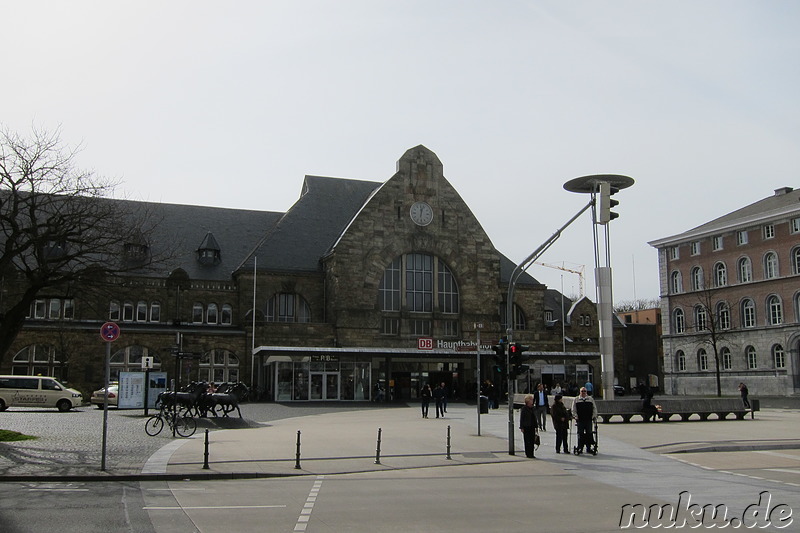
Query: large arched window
pixel 288 307
pixel 697 278
pixel 680 359
pixel 778 356
pixel 748 314
pixel 752 358
pixel 727 360
pixel 676 283
pixel 39 359
pixel 702 359
pixel 723 316
pixel 413 286
pixel 775 310
pixel 796 260
pixel 679 321
pixel 720 275
pixel 700 318
pixel 219 366
pixel 745 270
pixel 770 265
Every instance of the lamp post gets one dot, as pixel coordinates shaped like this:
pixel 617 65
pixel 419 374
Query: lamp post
pixel 603 185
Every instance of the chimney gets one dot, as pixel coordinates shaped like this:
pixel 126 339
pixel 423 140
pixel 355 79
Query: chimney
pixel 782 191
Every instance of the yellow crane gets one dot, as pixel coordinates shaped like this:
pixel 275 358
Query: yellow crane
pixel 565 269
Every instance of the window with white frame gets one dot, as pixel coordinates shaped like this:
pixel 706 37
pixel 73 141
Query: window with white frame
pixel 197 313
pixel 127 312
pixel 796 260
pixel 227 315
pixel 155 312
pixel 697 278
pixel 676 282
pixel 702 359
pixel 114 311
pixel 679 320
pixel 741 237
pixel 716 243
pixel 700 318
pixel 720 275
pixel 219 366
pixel 674 253
pixel 770 265
pixel 795 225
pixel 680 357
pixel 748 313
pixel 723 316
pixel 212 313
pixel 694 246
pixel 769 231
pixel 141 311
pixel 778 356
pixel 727 360
pixel 775 308
pixel 752 358
pixel 288 307
pixel 745 268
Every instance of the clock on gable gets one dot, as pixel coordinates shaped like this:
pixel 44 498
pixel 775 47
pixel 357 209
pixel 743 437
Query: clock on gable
pixel 421 213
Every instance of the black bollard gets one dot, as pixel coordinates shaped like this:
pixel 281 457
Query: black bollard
pixel 378 450
pixel 448 442
pixel 205 462
pixel 297 461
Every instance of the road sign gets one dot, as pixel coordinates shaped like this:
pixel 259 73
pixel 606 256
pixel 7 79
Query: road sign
pixel 109 332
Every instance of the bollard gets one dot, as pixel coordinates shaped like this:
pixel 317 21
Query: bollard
pixel 297 461
pixel 205 462
pixel 378 450
pixel 448 442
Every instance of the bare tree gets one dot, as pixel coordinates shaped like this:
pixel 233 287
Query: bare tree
pixel 641 304
pixel 712 321
pixel 58 229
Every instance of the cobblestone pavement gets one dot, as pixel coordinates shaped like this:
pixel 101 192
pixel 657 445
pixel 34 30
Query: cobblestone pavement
pixel 70 444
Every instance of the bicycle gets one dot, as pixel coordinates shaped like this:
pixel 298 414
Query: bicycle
pixel 183 425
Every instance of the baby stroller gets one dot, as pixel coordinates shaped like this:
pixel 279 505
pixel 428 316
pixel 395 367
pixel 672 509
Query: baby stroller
pixel 577 450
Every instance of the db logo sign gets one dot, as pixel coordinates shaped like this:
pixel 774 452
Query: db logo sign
pixel 425 343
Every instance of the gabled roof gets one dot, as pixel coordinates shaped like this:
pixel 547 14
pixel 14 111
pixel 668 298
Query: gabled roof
pixel 785 201
pixel 209 243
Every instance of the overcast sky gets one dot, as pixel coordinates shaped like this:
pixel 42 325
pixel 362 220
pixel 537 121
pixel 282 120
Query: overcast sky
pixel 231 104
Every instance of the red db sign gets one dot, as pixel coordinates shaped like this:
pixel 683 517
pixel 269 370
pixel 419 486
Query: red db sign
pixel 425 343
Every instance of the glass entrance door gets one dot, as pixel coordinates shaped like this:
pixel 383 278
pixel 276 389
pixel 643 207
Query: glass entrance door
pixel 324 386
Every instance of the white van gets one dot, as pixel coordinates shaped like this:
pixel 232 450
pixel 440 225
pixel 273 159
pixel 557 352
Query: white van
pixel 36 391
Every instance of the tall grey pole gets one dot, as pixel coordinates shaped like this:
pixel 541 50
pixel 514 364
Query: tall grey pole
pixel 478 327
pixel 107 375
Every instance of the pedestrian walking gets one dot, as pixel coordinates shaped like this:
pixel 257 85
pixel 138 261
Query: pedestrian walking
pixel 584 411
pixel 541 406
pixel 744 392
pixel 528 425
pixel 561 417
pixel 426 395
pixel 439 395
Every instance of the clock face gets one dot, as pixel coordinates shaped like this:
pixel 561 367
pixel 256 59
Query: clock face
pixel 421 213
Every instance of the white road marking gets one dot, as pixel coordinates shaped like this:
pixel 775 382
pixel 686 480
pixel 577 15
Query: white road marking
pixel 180 507
pixel 305 514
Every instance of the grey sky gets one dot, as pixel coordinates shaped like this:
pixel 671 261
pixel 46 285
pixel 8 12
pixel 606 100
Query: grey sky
pixel 230 104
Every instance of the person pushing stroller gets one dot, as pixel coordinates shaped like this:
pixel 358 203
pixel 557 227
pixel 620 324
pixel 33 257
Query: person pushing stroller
pixel 584 411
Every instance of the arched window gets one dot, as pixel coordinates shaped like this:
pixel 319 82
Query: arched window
pixel 778 356
pixel 697 278
pixel 227 315
pixel 680 359
pixel 723 316
pixel 219 366
pixel 129 359
pixel 775 309
pixel 725 355
pixel 676 283
pixel 39 359
pixel 679 321
pixel 155 312
pixel 141 311
pixel 720 275
pixel 702 359
pixel 796 260
pixel 519 317
pixel 212 313
pixel 127 312
pixel 770 265
pixel 748 314
pixel 197 313
pixel 700 318
pixel 752 358
pixel 288 307
pixel 114 312
pixel 745 269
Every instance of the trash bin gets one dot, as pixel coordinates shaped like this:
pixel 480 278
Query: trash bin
pixel 484 405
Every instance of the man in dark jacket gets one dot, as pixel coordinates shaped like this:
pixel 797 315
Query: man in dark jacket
pixel 561 417
pixel 585 412
pixel 439 396
pixel 528 425
pixel 541 407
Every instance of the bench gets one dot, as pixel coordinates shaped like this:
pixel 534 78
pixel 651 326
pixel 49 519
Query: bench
pixel 684 408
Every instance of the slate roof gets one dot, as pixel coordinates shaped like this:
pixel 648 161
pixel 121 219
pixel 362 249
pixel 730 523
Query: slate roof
pixel 784 202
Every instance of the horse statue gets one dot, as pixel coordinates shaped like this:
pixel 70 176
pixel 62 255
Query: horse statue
pixel 227 398
pixel 188 399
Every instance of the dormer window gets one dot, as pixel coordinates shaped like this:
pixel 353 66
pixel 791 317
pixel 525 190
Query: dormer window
pixel 209 252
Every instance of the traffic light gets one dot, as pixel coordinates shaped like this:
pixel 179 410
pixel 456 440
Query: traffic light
pixel 515 355
pixel 500 356
pixel 606 203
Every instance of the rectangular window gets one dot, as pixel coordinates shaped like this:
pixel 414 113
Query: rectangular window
pixel 390 326
pixel 39 309
pixel 141 312
pixel 741 237
pixel 674 253
pixel 695 248
pixel 155 312
pixel 716 243
pixel 69 309
pixel 197 313
pixel 769 231
pixel 726 360
pixel 127 312
pixel 390 287
pixel 55 308
pixel 795 225
pixel 752 360
pixel 113 311
pixel 703 361
pixel 450 328
pixel 419 283
pixel 420 327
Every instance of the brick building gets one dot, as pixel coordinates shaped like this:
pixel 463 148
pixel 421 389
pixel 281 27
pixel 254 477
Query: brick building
pixel 734 281
pixel 358 282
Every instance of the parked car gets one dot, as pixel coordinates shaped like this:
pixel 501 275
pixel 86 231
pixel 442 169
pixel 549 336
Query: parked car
pixel 619 390
pixel 37 391
pixel 99 395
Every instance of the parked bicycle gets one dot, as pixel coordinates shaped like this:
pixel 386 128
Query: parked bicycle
pixel 177 421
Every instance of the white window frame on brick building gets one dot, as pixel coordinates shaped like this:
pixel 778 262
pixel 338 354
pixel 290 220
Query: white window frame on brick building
pixel 745 269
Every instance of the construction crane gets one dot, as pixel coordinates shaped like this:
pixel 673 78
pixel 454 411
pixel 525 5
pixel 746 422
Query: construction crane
pixel 562 267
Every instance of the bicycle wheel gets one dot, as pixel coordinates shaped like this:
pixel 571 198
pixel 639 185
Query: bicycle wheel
pixel 154 425
pixel 185 426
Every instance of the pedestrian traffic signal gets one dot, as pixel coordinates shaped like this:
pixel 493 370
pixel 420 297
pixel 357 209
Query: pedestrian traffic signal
pixel 515 355
pixel 605 215
pixel 500 357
